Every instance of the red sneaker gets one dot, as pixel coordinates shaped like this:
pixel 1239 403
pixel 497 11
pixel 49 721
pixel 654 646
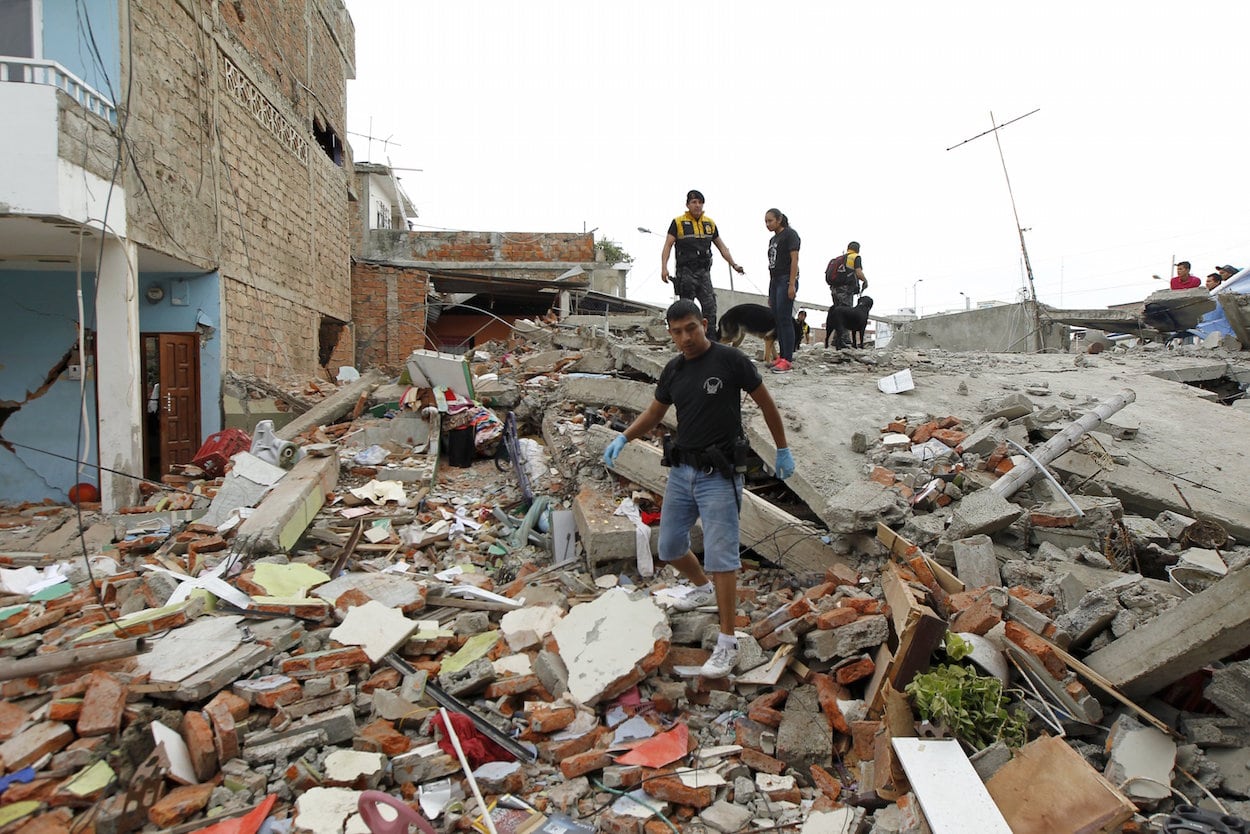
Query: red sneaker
pixel 782 367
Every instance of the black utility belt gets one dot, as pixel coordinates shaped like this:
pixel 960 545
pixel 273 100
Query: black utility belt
pixel 728 462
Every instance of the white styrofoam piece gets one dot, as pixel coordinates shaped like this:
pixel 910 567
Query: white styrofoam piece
pixel 180 768
pixel 951 794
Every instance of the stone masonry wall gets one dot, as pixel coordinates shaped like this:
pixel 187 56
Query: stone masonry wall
pixel 221 130
pixel 388 310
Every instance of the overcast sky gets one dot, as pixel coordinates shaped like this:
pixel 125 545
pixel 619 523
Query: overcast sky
pixel 563 116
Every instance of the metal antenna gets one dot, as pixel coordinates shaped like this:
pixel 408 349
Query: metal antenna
pixel 1028 267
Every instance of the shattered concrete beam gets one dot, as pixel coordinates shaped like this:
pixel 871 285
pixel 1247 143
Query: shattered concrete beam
pixel 332 408
pixel 1020 475
pixel 1149 493
pixel 773 533
pixel 623 393
pixel 1203 628
pixel 289 508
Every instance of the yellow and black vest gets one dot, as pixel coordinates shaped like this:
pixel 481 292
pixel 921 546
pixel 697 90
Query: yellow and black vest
pixel 694 240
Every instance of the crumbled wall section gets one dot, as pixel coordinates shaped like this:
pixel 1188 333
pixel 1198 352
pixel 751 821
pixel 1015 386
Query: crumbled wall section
pixel 220 126
pixel 502 246
pixel 389 312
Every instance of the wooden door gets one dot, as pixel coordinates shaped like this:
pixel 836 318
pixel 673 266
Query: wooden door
pixel 179 404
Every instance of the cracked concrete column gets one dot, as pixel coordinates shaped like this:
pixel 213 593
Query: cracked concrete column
pixel 119 380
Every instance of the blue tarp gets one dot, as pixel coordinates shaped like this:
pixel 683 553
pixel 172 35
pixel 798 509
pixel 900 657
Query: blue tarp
pixel 1215 321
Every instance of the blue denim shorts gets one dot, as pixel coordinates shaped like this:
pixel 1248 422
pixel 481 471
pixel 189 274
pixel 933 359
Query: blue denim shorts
pixel 691 495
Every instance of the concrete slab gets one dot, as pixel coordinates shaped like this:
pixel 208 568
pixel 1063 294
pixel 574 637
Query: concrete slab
pixel 527 627
pixel 377 628
pixel 607 641
pixel 1141 759
pixel 1205 627
pixel 287 511
pixel 625 393
pixel 820 436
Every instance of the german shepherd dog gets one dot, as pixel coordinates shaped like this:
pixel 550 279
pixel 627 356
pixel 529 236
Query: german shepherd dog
pixel 842 320
pixel 756 319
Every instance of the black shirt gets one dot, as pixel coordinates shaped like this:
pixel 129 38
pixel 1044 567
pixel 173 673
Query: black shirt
pixel 780 248
pixel 708 394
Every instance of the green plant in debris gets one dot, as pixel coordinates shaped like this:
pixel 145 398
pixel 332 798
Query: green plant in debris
pixel 971 706
pixel 613 253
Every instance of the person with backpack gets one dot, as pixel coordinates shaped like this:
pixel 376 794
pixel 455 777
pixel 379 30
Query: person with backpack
pixel 845 276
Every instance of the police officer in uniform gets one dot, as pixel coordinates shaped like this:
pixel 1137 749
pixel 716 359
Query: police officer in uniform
pixel 694 233
pixel 706 383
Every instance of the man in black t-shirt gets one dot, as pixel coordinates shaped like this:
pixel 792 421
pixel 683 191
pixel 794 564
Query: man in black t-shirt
pixel 706 383
pixel 694 234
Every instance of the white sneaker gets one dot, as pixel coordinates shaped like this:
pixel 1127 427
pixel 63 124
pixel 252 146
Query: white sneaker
pixel 721 663
pixel 697 598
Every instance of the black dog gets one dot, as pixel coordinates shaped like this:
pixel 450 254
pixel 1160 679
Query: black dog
pixel 756 319
pixel 842 320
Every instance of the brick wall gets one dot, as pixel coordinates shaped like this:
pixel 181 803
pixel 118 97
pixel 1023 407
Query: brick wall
pixel 388 310
pixel 221 131
pixel 569 247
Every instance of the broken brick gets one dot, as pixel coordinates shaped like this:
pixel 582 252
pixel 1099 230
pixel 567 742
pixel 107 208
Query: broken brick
pixel 825 782
pixel 514 685
pixel 827 693
pixel 856 670
pixel 382 736
pixel 102 706
pixel 198 736
pixel 551 719
pixel 584 763
pixel 179 804
pixel 756 760
pixel 237 706
pixel 1043 603
pixel 382 679
pixel 225 735
pixel 672 789
pixel 12 719
pixel 1034 645
pixel 835 617
pixel 977 618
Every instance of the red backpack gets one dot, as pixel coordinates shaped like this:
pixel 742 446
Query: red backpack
pixel 836 265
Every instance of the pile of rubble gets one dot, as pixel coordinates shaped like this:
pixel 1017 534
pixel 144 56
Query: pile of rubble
pixel 946 640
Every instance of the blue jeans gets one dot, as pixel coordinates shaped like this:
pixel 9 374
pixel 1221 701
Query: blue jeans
pixel 693 494
pixel 783 308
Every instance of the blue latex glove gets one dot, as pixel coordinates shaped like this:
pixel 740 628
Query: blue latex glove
pixel 614 450
pixel 785 464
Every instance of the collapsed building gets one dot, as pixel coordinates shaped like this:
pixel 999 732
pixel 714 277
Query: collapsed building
pixel 1018 581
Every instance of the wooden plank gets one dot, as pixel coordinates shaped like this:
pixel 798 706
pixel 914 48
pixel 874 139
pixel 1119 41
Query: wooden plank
pixel 919 631
pixel 1049 788
pixel 951 794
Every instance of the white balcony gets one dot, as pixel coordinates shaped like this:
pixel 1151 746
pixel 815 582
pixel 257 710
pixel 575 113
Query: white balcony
pixel 52 74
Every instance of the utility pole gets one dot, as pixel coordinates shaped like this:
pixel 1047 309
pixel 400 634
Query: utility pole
pixel 1034 309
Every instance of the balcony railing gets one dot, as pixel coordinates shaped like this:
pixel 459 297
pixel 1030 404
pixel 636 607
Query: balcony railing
pixel 27 71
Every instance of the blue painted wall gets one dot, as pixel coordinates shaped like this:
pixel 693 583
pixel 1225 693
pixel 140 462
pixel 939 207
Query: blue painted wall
pixel 66 40
pixel 39 328
pixel 41 312
pixel 202 295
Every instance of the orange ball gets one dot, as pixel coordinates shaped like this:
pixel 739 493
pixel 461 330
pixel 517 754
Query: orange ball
pixel 84 493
